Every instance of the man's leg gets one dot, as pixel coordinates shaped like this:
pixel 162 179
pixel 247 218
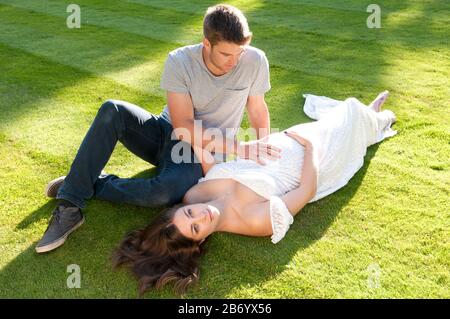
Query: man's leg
pixel 167 188
pixel 139 131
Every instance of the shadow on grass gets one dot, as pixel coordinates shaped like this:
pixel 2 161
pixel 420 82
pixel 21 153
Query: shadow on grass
pixel 44 211
pixel 44 275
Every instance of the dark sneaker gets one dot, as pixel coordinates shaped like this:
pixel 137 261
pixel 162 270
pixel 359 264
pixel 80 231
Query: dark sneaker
pixel 64 221
pixel 52 188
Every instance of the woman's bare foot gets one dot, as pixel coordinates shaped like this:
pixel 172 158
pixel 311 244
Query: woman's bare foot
pixel 379 101
pixel 392 117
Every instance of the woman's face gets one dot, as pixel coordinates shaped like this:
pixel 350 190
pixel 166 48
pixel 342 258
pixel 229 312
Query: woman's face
pixel 196 221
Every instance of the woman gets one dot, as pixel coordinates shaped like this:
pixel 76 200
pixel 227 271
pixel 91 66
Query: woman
pixel 247 198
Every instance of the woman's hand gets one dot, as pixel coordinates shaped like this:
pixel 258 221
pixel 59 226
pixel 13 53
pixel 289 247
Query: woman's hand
pixel 303 141
pixel 299 197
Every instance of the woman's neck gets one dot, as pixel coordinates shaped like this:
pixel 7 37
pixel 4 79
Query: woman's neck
pixel 227 213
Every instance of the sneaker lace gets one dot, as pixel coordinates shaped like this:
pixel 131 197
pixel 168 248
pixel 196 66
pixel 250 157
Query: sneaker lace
pixel 56 217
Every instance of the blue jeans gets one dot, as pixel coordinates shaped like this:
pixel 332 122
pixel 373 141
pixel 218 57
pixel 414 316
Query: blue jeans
pixel 146 135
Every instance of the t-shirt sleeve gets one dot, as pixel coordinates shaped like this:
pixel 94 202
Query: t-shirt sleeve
pixel 173 79
pixel 261 82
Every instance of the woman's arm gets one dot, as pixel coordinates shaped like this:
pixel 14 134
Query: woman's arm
pixel 258 215
pixel 296 199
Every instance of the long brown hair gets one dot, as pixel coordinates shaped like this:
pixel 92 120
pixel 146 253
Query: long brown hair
pixel 159 254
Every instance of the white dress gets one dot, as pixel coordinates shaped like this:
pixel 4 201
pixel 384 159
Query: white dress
pixel 342 134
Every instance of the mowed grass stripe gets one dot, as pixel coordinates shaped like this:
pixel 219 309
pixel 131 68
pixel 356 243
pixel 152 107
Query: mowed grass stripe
pixel 85 47
pixel 324 61
pixel 146 20
pixel 40 18
pixel 124 57
pixel 60 106
pixel 287 108
pixel 157 23
pixel 333 21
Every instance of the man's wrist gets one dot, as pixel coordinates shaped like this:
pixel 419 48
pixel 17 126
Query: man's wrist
pixel 232 147
pixel 263 132
pixel 236 144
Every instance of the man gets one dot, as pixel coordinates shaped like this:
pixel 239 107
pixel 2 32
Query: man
pixel 209 83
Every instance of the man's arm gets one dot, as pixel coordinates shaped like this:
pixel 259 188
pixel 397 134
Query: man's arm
pixel 182 115
pixel 258 115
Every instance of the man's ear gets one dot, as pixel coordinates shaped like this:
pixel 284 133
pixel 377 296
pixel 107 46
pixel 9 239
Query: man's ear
pixel 206 43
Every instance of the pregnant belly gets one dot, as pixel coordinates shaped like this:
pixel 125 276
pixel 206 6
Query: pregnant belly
pixel 292 154
pixel 275 178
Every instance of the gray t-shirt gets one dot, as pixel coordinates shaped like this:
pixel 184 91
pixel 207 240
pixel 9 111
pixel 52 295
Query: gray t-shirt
pixel 219 101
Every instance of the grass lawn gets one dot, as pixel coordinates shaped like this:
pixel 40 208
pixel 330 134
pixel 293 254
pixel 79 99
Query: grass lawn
pixel 384 235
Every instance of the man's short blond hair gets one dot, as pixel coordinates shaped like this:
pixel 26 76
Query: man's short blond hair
pixel 226 23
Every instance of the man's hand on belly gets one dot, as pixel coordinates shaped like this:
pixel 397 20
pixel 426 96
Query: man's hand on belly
pixel 257 150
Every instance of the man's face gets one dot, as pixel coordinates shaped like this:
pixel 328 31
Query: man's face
pixel 224 55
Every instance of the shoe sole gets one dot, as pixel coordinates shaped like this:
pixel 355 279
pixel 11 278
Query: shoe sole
pixel 59 242
pixel 52 187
